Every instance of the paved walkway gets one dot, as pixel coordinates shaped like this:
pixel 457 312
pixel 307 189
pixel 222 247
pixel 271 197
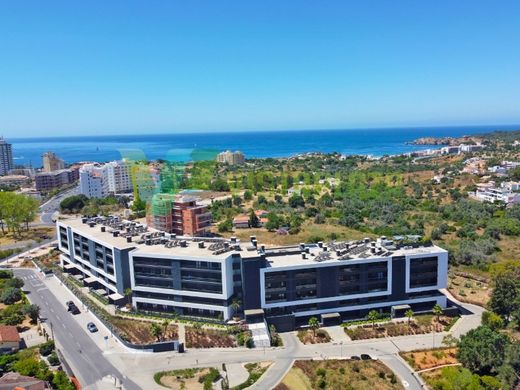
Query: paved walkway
pixel 237 374
pixel 337 334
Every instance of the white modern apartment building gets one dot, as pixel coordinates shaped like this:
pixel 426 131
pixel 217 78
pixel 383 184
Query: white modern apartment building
pixel 508 192
pixel 101 180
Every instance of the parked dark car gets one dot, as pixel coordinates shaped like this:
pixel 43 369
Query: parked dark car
pixel 354 357
pixel 364 356
pixel 74 310
pixel 92 327
pixel 71 306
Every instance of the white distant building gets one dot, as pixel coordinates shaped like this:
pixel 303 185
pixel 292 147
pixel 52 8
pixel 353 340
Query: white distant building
pixel 470 148
pixel 231 158
pixel 506 193
pixel 101 180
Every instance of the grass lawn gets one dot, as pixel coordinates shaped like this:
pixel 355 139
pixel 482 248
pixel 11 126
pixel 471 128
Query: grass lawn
pixel 339 374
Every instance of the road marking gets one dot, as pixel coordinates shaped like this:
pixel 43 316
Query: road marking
pixel 406 384
pixel 58 317
pixel 52 310
pixel 64 327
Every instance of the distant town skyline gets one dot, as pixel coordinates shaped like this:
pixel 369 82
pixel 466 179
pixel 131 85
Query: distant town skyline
pixel 140 67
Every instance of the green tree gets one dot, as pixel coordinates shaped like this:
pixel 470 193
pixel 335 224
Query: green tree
pixel 482 350
pixel 11 295
pixel 156 331
pixel 314 324
pixel 165 324
pixel 449 341
pixel 254 222
pixel 62 381
pixel 248 195
pixel 33 311
pixel 225 226
pixel 492 320
pixel 504 296
pixel 373 316
pixel 236 304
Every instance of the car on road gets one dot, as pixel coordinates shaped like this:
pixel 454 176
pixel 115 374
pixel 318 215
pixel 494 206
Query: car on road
pixel 71 306
pixel 364 356
pixel 74 309
pixel 354 357
pixel 92 327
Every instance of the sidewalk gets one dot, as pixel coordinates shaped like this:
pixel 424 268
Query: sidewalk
pixel 109 345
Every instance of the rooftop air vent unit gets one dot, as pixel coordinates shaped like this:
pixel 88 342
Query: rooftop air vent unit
pixel 320 244
pixel 304 256
pixel 233 239
pixel 302 246
pixel 116 233
pixel 184 244
pixel 173 236
pixel 252 238
pixel 92 224
pixel 129 239
pixel 325 249
pixel 262 248
pixel 201 244
pixel 103 229
pixel 307 250
pixel 148 242
pixel 237 247
pixel 338 253
pixel 84 220
pixel 373 250
pixel 255 243
pixel 367 240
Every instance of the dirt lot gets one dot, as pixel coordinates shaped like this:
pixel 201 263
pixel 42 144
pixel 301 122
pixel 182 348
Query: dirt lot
pixel 467 289
pixel 339 374
pixel 418 325
pixel 421 360
pixel 208 338
pixel 307 336
pixel 33 234
pixel 309 231
pixel 189 380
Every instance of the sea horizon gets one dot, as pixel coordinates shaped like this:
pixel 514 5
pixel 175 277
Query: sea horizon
pixel 254 144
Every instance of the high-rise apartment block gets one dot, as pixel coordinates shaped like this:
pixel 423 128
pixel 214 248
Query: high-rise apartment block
pixel 6 157
pixel 178 214
pixel 51 162
pixel 231 158
pixel 101 180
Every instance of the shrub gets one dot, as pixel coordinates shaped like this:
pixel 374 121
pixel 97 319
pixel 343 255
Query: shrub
pixel 47 348
pixel 53 359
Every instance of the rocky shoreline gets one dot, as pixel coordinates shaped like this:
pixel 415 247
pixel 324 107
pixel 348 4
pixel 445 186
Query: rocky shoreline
pixel 443 140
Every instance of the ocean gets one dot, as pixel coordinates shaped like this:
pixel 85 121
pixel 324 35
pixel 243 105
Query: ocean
pixel 374 142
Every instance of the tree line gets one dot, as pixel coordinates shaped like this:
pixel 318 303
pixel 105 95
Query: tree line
pixel 16 212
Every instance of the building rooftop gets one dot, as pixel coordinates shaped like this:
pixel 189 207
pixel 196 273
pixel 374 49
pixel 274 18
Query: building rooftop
pixel 9 334
pixel 366 249
pixel 126 235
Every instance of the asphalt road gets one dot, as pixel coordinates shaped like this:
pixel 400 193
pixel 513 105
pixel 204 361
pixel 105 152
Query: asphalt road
pixel 82 354
pixel 52 205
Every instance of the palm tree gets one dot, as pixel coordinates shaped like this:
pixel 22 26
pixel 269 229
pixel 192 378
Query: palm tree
pixel 409 313
pixel 128 295
pixel 373 316
pixel 314 324
pixel 165 325
pixel 437 311
pixel 236 304
pixel 156 331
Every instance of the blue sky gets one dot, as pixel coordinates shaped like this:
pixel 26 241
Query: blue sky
pixel 109 67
